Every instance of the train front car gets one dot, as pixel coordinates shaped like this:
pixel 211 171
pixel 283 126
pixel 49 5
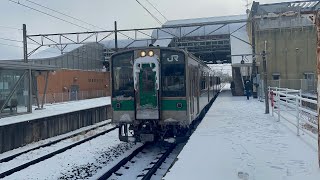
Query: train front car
pixel 148 93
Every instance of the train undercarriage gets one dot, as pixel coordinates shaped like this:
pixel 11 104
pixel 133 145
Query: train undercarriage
pixel 150 130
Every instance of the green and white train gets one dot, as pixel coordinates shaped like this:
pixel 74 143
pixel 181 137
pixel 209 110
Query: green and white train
pixel 158 93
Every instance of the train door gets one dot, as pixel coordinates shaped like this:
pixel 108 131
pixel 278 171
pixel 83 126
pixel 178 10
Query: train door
pixel 191 90
pixel 198 90
pixel 146 83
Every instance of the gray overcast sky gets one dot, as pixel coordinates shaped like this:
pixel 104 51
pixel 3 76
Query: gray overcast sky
pixel 102 13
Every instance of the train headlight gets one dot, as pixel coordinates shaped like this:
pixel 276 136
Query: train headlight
pixel 151 53
pixel 143 53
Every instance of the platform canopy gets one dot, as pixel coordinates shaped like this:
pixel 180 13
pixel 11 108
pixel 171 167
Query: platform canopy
pixel 19 65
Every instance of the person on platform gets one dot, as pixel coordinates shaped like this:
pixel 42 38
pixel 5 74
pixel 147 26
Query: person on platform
pixel 232 87
pixel 247 88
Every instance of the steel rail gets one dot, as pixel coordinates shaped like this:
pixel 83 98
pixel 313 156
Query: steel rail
pixel 9 158
pixel 35 161
pixel 158 164
pixel 124 161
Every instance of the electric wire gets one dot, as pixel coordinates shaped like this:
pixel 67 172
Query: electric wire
pixel 64 14
pixel 13 40
pixel 153 16
pixel 7 27
pixel 157 10
pixel 49 14
pixel 70 54
pixel 71 16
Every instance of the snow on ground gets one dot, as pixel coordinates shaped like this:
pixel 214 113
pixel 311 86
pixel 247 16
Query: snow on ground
pixel 27 157
pixel 56 109
pixel 237 141
pixel 45 141
pixel 80 162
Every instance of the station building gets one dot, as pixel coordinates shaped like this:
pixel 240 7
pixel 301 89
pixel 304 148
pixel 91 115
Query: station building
pixel 287 32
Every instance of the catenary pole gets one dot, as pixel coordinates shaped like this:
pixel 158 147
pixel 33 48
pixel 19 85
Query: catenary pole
pixel 265 73
pixel 25 60
pixel 115 36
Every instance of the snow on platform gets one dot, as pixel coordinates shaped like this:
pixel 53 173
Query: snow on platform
pixel 237 141
pixel 56 109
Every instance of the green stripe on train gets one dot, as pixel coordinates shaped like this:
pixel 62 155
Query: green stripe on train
pixel 171 105
pixel 125 105
pixel 166 105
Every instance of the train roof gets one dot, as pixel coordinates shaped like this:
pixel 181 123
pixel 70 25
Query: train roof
pixel 165 48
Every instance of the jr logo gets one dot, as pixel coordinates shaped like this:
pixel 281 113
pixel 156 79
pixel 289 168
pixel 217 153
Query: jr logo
pixel 173 58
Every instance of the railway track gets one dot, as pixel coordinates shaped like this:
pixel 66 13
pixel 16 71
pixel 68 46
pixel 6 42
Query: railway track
pixel 51 154
pixel 9 158
pixel 141 163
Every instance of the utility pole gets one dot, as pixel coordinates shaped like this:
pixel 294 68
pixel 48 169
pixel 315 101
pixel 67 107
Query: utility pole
pixel 265 86
pixel 317 21
pixel 115 36
pixel 254 72
pixel 25 60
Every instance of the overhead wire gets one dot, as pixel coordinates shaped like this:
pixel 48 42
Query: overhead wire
pixel 64 14
pixel 7 27
pixel 13 40
pixel 49 14
pixel 157 10
pixel 32 8
pixel 19 3
pixel 153 16
pixel 4 44
pixel 70 54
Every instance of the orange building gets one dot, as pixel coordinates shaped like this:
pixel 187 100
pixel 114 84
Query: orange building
pixel 64 85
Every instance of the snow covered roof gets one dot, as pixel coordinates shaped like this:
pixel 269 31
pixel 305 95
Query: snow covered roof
pixel 282 7
pixel 53 52
pixel 224 19
pixel 284 14
pixel 127 43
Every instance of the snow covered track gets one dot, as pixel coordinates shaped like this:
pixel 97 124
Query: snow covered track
pixel 158 164
pixel 47 156
pixel 142 163
pixel 6 159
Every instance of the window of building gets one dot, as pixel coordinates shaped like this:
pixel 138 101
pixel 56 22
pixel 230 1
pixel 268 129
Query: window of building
pixel 276 76
pixel 309 76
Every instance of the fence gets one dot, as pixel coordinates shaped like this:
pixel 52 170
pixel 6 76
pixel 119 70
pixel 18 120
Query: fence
pixel 306 85
pixel 289 104
pixel 70 96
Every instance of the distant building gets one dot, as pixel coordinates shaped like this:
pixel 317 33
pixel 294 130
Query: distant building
pixel 288 33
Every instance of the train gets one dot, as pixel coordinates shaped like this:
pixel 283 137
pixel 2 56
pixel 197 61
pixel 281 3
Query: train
pixel 158 93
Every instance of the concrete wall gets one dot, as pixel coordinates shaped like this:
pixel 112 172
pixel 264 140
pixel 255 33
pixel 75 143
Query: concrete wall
pixel 283 57
pixel 19 134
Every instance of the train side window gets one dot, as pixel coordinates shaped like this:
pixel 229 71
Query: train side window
pixel 173 74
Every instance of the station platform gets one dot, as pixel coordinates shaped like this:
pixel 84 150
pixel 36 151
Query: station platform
pixel 236 140
pixel 57 109
pixel 53 120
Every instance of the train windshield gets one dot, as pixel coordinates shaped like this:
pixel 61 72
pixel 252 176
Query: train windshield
pixel 173 74
pixel 122 75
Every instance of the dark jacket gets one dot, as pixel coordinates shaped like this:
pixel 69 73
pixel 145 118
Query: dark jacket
pixel 247 85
